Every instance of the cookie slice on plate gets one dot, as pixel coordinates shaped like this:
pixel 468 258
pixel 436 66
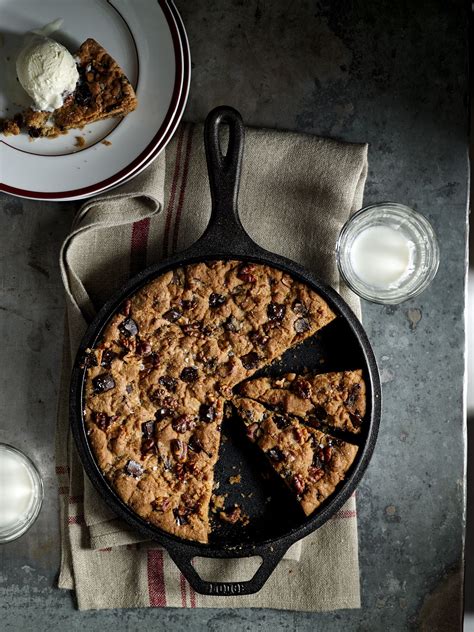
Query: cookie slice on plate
pixel 335 399
pixel 310 462
pixel 103 91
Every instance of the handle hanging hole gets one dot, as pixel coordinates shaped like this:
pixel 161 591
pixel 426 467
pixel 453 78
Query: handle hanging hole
pixel 223 139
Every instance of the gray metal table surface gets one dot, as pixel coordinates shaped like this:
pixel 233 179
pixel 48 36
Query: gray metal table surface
pixel 391 74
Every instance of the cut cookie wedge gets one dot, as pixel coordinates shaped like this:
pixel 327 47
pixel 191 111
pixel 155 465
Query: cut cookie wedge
pixel 329 399
pixel 102 91
pixel 311 463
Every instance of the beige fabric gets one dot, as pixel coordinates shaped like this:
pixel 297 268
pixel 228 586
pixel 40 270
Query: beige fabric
pixel 296 192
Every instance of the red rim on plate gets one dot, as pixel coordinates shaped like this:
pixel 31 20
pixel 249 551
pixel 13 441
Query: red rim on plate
pixel 159 140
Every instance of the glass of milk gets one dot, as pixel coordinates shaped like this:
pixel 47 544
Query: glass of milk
pixel 387 253
pixel 21 493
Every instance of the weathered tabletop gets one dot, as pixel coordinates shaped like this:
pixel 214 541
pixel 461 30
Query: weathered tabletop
pixel 391 74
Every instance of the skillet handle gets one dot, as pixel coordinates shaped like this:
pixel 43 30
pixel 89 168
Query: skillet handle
pixel 224 231
pixel 271 556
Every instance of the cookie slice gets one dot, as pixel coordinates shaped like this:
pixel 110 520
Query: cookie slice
pixel 310 462
pixel 159 454
pixel 329 399
pixel 103 91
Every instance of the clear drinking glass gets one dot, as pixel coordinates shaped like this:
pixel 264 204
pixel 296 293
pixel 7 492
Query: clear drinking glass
pixel 395 235
pixel 21 493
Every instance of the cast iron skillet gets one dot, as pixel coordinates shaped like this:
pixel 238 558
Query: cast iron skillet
pixel 276 521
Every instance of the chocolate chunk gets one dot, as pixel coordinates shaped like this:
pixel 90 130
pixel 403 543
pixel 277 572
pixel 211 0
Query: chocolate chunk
pixel 319 413
pixel 179 449
pixel 353 395
pixel 183 423
pixel 178 277
pixel 188 304
pixel 356 419
pixel 207 413
pixel 298 484
pixel 299 308
pixel 276 312
pixel 210 366
pixel 107 356
pixel 128 328
pixel 134 469
pixel 317 461
pixel 151 361
pixel 246 273
pixel 189 374
pixel 103 382
pixel 195 444
pixel 301 388
pixel 276 454
pixel 250 360
pixel 129 388
pixel 281 422
pixel 102 420
pixel 90 360
pixel 143 348
pixel 180 516
pixel 327 454
pixel 232 324
pixel 168 382
pixel 172 315
pixel 82 94
pixel 301 325
pixel 161 413
pixel 216 300
pixel 259 338
pixel 34 132
pixel 148 429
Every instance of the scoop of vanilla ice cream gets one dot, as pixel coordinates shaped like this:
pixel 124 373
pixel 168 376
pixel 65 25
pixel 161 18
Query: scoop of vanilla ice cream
pixel 47 72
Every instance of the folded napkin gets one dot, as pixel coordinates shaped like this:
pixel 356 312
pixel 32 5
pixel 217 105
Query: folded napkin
pixel 296 192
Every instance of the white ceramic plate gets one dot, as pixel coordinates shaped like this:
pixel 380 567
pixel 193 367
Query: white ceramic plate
pixel 148 40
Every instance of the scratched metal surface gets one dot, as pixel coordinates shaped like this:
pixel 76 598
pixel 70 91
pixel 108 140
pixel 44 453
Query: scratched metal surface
pixel 391 74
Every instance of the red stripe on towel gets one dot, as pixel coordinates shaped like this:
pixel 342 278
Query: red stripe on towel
pixel 62 469
pixel 156 578
pixel 345 513
pixel 174 185
pixel 138 251
pixel 76 519
pixel 183 589
pixel 193 597
pixel 187 155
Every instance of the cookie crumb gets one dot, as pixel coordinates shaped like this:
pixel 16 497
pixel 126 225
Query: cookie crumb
pixel 234 514
pixel 107 143
pixel 80 141
pixel 233 480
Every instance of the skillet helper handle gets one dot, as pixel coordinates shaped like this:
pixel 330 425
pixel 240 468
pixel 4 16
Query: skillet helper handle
pixel 271 556
pixel 224 174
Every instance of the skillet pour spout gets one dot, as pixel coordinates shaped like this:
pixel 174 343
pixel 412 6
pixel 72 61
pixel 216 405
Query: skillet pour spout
pixel 225 238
